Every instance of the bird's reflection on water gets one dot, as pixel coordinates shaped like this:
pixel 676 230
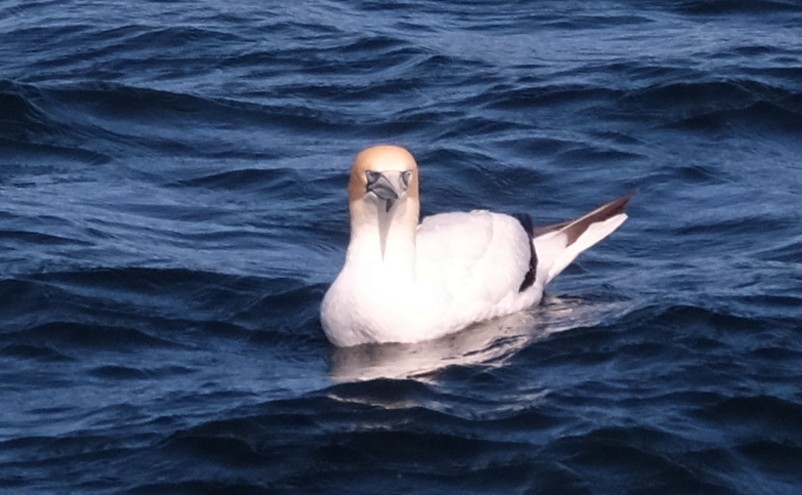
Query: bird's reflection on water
pixel 489 343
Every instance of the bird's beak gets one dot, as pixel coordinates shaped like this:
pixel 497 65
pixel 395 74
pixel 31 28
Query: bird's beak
pixel 388 186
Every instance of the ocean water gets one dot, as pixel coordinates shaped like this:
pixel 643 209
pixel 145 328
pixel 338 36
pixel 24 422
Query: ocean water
pixel 172 209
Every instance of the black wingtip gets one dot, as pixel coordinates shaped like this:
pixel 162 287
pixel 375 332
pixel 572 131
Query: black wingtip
pixel 618 205
pixel 529 277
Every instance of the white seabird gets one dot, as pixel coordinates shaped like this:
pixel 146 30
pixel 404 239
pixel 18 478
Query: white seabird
pixel 405 281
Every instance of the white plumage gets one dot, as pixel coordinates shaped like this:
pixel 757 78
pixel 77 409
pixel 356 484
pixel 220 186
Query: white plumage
pixel 409 282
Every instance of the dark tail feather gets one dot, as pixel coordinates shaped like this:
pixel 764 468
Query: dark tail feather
pixel 558 245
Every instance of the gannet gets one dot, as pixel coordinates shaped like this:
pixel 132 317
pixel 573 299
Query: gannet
pixel 407 281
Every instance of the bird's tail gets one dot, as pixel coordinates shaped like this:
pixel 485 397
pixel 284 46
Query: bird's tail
pixel 558 245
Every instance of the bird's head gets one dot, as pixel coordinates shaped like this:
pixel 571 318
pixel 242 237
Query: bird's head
pixel 385 177
pixel 383 190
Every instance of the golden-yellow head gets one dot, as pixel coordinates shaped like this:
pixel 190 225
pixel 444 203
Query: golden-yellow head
pixel 387 172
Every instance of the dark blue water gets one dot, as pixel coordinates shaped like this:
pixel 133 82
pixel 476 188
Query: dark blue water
pixel 172 208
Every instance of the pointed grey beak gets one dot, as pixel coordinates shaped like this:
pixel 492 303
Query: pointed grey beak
pixel 387 186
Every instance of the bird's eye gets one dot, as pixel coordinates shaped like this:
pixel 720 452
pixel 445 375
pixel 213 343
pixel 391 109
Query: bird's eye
pixel 406 177
pixel 372 176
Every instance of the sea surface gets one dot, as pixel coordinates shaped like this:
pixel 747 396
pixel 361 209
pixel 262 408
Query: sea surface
pixel 173 208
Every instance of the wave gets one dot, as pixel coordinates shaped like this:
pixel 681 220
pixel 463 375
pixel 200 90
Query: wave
pixel 34 140
pixel 144 308
pixel 262 180
pixel 70 335
pixel 287 441
pixel 717 106
pixel 741 7
pixel 21 115
pixel 116 119
pixel 549 429
pixel 760 100
pixel 750 415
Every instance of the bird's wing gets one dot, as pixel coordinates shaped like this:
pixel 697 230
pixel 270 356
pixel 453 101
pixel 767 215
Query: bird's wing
pixel 476 258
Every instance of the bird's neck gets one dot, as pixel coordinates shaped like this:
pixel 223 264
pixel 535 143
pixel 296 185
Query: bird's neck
pixel 386 240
